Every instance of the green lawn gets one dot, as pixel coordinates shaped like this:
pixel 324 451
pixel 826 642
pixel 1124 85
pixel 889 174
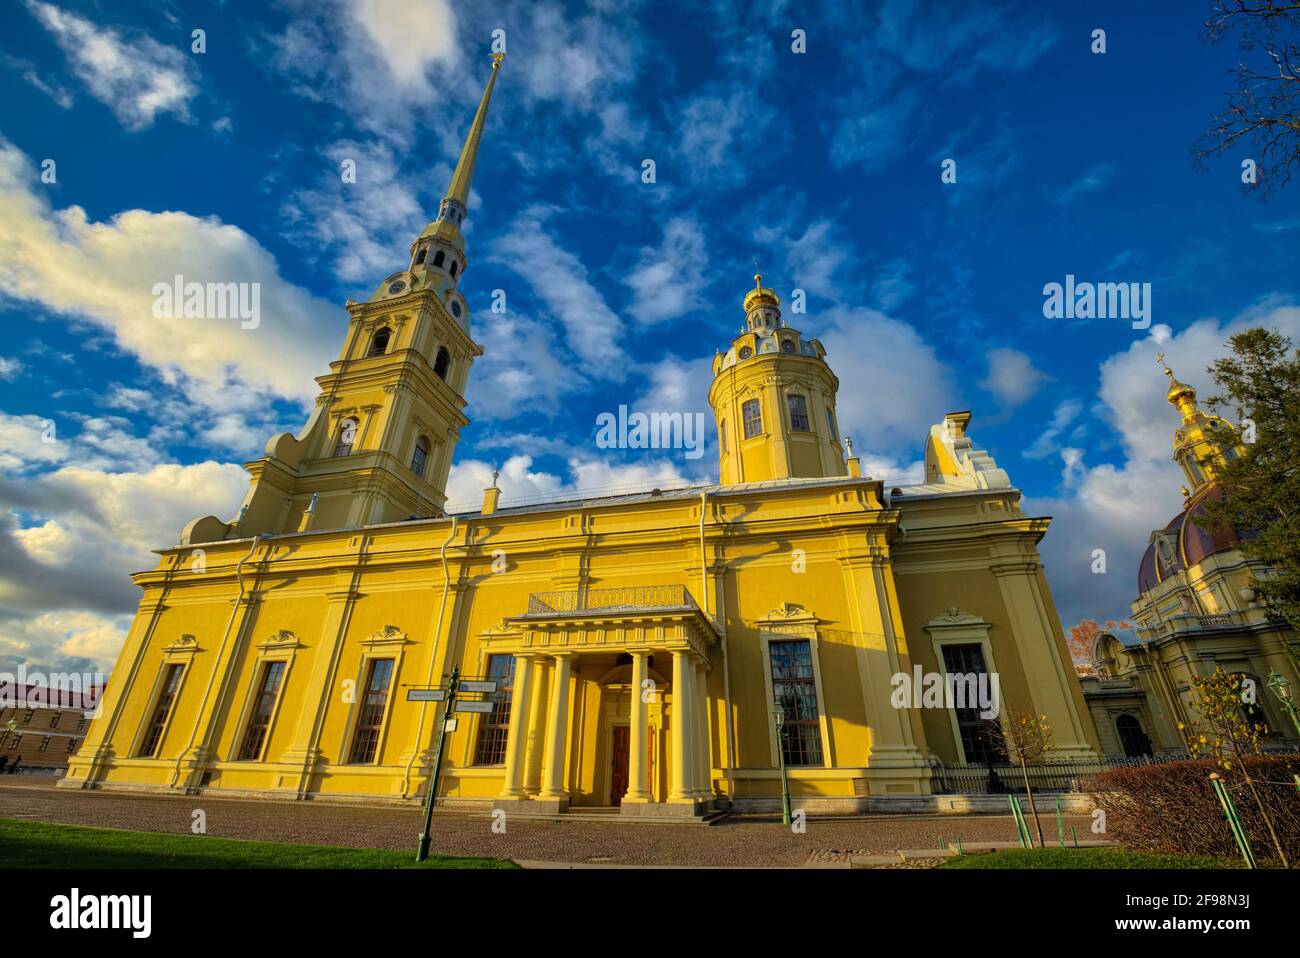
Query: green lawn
pixel 44 845
pixel 1085 858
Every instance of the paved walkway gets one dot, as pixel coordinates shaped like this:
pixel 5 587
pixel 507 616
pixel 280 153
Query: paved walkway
pixel 743 842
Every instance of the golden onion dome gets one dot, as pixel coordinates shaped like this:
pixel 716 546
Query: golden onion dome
pixel 760 295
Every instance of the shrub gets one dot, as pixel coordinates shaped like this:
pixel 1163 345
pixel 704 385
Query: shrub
pixel 1171 806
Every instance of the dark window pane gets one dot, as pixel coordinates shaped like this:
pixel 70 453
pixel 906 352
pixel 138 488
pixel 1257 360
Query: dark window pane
pixel 495 728
pixel 795 689
pixel 370 717
pixel 981 738
pixel 259 719
pixel 166 698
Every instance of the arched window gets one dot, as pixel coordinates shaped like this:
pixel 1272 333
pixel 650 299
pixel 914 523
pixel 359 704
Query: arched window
pixel 753 416
pixel 1131 737
pixel 419 257
pixel 420 456
pixel 439 257
pixel 454 267
pixel 441 362
pixel 347 437
pixel 799 413
pixel 379 345
pixel 722 435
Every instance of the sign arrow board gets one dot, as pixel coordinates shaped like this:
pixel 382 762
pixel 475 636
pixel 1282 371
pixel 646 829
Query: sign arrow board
pixel 426 695
pixel 462 706
pixel 488 686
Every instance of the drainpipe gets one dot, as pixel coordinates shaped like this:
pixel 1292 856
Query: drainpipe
pixel 720 622
pixel 433 651
pixel 198 718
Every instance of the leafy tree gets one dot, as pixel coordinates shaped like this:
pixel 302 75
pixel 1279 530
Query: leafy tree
pixel 1228 736
pixel 1028 738
pixel 1262 115
pixel 1261 489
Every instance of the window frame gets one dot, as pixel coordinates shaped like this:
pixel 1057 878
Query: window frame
pixel 368 662
pixel 961 629
pixel 494 720
pixel 790 399
pixel 339 452
pixel 800 631
pixel 169 667
pixel 422 453
pixel 757 404
pixel 262 668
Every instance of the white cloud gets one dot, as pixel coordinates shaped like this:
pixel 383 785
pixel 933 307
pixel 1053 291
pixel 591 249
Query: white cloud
pixel 560 280
pixel 28 443
pixel 521 484
pixel 137 79
pixel 1115 506
pixel 887 358
pixel 85 530
pixel 519 371
pixel 119 261
pixel 1090 182
pixel 10 368
pixel 668 280
pixel 1012 377
pixel 62 641
pixel 408 40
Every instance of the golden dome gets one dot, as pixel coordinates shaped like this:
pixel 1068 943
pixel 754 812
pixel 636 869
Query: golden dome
pixel 1178 391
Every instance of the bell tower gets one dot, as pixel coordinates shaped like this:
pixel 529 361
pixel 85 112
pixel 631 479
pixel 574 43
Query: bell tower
pixel 773 397
pixel 1202 444
pixel 379 444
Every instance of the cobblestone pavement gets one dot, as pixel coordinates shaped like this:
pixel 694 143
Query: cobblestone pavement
pixel 734 841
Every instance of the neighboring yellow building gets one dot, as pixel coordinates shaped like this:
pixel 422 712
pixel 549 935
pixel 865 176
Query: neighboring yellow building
pixel 640 640
pixel 1195 611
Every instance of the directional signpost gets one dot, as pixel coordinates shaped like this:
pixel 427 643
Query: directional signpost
pixel 455 686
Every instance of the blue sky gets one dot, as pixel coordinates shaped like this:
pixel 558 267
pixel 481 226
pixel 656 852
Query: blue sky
pixel 824 166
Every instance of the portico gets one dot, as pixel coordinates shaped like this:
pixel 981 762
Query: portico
pixel 616 683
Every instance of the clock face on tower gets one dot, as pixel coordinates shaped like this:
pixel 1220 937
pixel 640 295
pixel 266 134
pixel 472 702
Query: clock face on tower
pixel 397 286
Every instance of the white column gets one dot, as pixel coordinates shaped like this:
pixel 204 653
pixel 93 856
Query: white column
pixel 517 738
pixel 535 734
pixel 553 778
pixel 681 790
pixel 636 757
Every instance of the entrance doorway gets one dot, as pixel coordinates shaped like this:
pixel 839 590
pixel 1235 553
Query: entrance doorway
pixel 622 736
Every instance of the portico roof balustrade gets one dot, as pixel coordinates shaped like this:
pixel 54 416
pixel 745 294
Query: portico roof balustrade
pixel 663 617
pixel 639 598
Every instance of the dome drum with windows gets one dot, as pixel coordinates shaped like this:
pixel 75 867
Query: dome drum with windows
pixel 773 396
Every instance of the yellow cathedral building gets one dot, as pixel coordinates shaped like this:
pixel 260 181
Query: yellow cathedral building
pixel 644 645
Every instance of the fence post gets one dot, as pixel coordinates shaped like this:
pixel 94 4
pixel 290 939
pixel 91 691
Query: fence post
pixel 1060 823
pixel 1234 823
pixel 1022 829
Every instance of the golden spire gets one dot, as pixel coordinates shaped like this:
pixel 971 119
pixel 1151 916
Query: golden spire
pixel 458 190
pixel 1180 395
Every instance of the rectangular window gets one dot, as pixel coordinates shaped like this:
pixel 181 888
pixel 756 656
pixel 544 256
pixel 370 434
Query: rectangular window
pixel 799 414
pixel 45 743
pixel 753 418
pixel 259 719
pixel 166 698
pixel 722 435
pixel 374 701
pixel 28 716
pixel 81 724
pixel 981 738
pixel 495 728
pixel 72 744
pixel 795 689
pixel 54 719
pixel 830 423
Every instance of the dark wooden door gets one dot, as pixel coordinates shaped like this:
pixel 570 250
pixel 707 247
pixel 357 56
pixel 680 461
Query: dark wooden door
pixel 618 764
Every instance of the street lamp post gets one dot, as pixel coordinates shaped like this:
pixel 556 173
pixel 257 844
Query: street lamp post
pixel 778 716
pixel 1281 689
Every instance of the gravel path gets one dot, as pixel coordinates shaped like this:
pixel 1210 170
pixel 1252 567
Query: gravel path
pixel 734 841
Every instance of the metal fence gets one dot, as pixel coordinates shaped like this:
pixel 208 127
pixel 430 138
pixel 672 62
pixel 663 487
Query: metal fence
pixel 1001 778
pixel 611 600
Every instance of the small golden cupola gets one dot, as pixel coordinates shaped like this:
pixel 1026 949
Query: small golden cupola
pixel 773 397
pixel 1203 443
